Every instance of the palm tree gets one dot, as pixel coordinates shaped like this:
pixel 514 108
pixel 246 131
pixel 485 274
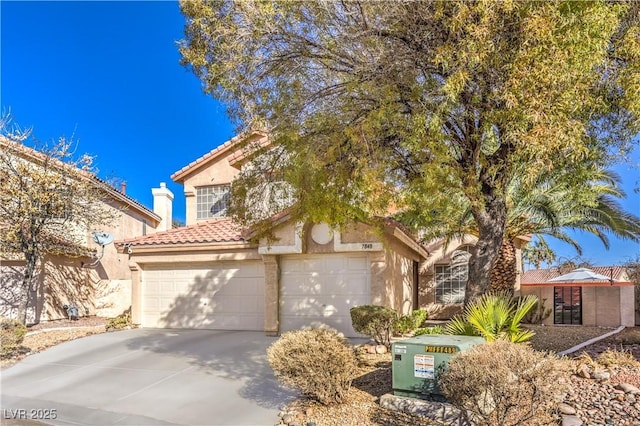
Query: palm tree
pixel 549 206
pixel 554 207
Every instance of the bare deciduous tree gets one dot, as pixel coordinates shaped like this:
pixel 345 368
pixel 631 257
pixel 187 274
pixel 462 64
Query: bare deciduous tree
pixel 49 201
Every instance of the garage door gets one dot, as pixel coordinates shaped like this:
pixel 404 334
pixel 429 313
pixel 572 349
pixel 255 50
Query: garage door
pixel 227 297
pixel 322 289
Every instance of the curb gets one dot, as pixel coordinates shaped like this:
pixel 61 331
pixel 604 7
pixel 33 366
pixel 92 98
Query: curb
pixel 591 341
pixel 46 330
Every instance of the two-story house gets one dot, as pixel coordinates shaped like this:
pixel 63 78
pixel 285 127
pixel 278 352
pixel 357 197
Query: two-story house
pixel 212 274
pixel 97 282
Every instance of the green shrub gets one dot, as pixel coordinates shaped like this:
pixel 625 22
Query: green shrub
pixel 317 362
pixel 374 321
pixel 406 324
pixel 495 316
pixel 436 329
pixel 502 383
pixel 120 322
pixel 12 334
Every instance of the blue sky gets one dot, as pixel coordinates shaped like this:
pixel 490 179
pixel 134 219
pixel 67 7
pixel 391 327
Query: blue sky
pixel 108 75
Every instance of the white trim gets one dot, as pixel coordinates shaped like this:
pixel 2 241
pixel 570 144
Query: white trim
pixel 365 246
pixel 295 248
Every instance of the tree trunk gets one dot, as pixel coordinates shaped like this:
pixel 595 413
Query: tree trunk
pixel 25 288
pixel 504 273
pixel 491 228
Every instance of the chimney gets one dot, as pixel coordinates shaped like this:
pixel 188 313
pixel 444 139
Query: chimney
pixel 123 188
pixel 162 202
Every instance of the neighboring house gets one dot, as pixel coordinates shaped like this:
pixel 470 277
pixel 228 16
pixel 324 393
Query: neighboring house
pixel 606 303
pixel 97 287
pixel 211 274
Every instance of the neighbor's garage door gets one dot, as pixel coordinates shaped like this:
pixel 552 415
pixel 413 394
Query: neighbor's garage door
pixel 229 296
pixel 322 289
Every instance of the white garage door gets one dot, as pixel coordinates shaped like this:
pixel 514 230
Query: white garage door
pixel 322 289
pixel 227 297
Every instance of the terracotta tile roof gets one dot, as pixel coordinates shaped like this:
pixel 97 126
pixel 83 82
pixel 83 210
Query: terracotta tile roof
pixel 221 230
pixel 542 276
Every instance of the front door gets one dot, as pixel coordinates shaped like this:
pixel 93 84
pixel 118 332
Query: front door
pixel 567 305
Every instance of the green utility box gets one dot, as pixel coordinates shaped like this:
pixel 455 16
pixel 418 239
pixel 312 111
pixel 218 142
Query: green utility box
pixel 416 361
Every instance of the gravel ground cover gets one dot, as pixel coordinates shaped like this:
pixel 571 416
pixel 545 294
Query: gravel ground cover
pixel 592 401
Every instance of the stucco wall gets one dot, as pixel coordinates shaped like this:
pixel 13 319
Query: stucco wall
pixel 627 306
pixel 545 295
pixel 399 282
pixel 602 306
pixel 59 281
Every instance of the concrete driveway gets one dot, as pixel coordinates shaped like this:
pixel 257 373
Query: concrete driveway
pixel 148 377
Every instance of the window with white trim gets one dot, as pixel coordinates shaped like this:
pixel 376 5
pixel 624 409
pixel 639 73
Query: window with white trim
pixel 212 201
pixel 451 280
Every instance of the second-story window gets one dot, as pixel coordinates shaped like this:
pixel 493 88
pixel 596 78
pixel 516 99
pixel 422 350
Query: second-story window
pixel 212 201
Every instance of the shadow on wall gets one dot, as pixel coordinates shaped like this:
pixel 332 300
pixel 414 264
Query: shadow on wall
pixel 218 299
pixel 233 355
pixel 11 273
pixel 66 282
pixel 61 282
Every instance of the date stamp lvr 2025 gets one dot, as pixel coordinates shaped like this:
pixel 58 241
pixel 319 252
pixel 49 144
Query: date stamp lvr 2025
pixel 30 414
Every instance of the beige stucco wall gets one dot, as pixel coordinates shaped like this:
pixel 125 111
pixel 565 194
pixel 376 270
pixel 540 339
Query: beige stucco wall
pixel 217 173
pixel 359 233
pixel 602 306
pixel 544 294
pixel 59 281
pixel 111 277
pixel 627 306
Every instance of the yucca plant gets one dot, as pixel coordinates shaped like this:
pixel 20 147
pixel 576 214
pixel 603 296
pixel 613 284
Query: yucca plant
pixel 495 316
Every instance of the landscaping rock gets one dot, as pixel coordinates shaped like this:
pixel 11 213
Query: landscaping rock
pixel 437 411
pixel 628 388
pixel 566 409
pixel 571 421
pixel 601 376
pixel 381 349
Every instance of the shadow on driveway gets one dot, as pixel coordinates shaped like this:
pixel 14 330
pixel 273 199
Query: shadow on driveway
pixel 231 355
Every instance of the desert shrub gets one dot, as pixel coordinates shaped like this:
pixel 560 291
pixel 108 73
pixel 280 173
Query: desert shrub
pixel 538 313
pixel 120 322
pixel 374 321
pixel 318 362
pixel 619 358
pixel 494 316
pixel 436 329
pixel 502 383
pixel 12 333
pixel 406 324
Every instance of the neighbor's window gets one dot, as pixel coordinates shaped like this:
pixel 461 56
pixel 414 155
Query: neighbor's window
pixel 451 280
pixel 212 201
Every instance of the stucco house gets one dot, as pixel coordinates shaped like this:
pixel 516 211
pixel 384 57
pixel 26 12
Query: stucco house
pixel 212 274
pixel 604 303
pixel 98 287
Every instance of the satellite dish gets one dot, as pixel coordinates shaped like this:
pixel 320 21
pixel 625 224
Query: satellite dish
pixel 102 238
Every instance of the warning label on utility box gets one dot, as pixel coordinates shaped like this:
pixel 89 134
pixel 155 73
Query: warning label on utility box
pixel 423 366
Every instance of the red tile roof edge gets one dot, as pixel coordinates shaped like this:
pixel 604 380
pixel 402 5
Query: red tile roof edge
pixel 542 276
pixel 198 233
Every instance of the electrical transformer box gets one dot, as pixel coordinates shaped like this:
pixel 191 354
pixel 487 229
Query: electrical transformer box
pixel 416 362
